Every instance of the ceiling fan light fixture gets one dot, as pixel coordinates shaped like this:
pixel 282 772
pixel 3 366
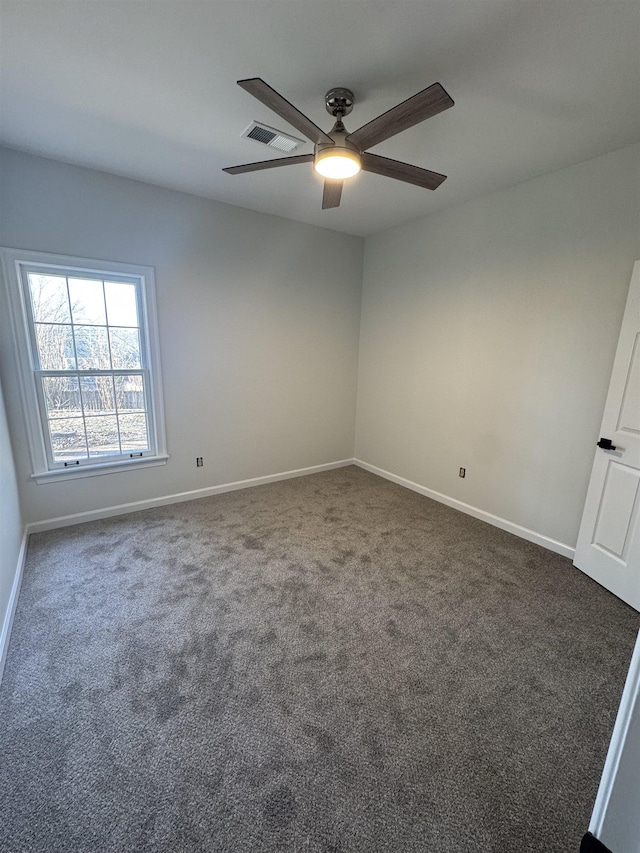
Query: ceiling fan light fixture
pixel 337 163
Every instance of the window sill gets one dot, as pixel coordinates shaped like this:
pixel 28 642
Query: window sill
pixel 60 474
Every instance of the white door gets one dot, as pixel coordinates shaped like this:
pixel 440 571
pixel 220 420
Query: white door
pixel 608 546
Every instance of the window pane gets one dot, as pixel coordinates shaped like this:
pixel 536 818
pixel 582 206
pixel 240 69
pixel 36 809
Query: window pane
pixel 133 432
pixel 92 347
pixel 87 301
pixel 67 439
pixel 129 393
pixel 61 396
pixel 125 348
pixel 49 299
pixel 55 347
pixel 122 309
pixel 102 436
pixel 97 394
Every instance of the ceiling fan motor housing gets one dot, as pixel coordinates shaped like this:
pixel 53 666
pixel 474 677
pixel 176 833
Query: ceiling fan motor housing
pixel 339 136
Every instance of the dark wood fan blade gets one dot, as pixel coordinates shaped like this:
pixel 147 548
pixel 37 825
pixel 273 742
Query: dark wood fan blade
pixel 402 171
pixel 269 164
pixel 422 106
pixel 331 193
pixel 272 99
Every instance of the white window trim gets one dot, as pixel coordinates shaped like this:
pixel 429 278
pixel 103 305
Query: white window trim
pixel 13 260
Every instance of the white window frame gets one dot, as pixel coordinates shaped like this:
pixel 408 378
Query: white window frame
pixel 16 264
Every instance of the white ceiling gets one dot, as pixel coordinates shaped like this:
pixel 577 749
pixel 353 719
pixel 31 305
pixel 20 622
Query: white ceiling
pixel 147 89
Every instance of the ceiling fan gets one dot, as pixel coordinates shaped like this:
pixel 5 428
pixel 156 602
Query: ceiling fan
pixel 339 154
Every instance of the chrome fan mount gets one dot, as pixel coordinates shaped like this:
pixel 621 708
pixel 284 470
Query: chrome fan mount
pixel 339 155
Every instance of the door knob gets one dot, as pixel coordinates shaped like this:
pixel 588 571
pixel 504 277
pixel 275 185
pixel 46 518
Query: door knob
pixel 605 444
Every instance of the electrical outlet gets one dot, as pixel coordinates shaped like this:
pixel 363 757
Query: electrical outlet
pixel 199 462
pixel 462 472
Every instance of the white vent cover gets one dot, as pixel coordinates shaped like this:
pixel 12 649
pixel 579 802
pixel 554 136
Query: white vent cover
pixel 270 136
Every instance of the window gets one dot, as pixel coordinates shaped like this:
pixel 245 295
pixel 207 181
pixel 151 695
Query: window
pixel 87 344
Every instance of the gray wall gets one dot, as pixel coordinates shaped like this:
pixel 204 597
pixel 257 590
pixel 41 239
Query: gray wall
pixel 11 527
pixel 487 340
pixel 259 337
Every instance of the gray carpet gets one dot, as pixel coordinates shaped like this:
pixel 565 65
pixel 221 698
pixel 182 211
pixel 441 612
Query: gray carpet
pixel 332 663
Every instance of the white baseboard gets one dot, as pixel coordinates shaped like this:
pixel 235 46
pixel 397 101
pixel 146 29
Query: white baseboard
pixel 495 520
pixel 13 600
pixel 194 494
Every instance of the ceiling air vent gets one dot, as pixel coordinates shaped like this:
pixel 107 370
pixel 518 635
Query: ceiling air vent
pixel 270 136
